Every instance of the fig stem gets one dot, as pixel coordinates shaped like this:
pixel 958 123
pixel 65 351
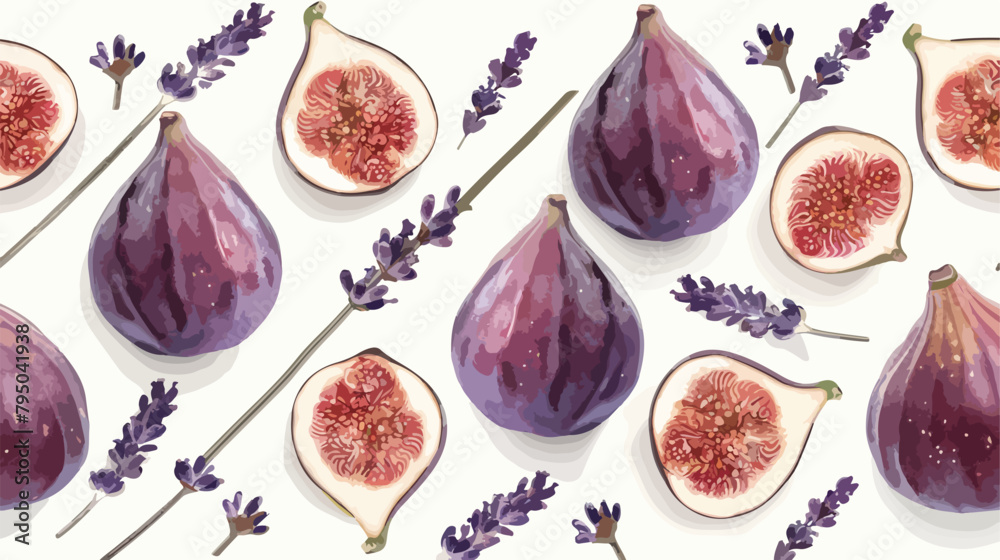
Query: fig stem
pixel 229 540
pixel 76 192
pixel 618 550
pixel 809 330
pixel 787 120
pixel 149 523
pixel 79 516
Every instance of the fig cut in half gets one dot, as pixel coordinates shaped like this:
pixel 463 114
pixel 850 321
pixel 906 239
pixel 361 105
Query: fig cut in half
pixel 728 432
pixel 840 200
pixel 354 118
pixel 37 112
pixel 958 106
pixel 368 431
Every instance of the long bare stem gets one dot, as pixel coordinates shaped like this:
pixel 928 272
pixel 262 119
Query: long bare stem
pixel 618 550
pixel 76 192
pixel 229 540
pixel 149 523
pixel 79 516
pixel 828 334
pixel 784 123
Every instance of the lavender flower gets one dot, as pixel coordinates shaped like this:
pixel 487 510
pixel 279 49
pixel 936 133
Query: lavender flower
pixel 605 521
pixel 495 518
pixel 776 43
pixel 503 74
pixel 754 313
pixel 830 67
pixel 197 478
pixel 207 58
pixel 823 513
pixel 396 255
pixel 246 523
pixel 125 60
pixel 125 459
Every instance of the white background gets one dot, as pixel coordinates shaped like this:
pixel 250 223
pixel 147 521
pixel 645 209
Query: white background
pixel 449 45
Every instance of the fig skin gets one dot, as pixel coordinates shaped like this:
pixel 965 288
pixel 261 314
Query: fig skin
pixel 182 261
pixel 547 342
pixel 660 148
pixel 934 415
pixel 57 414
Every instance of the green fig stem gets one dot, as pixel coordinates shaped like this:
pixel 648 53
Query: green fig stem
pixel 79 516
pixel 76 192
pixel 149 523
pixel 828 334
pixel 833 392
pixel 229 540
pixel 911 35
pixel 784 123
pixel 310 349
pixel 376 544
pixel 618 550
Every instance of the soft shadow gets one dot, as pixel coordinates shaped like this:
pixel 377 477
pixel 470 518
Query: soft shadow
pixel 655 488
pixel 796 345
pixel 304 484
pixel 60 168
pixel 141 367
pixel 941 528
pixel 330 206
pixel 8 529
pixel 988 201
pixel 563 457
pixel 781 270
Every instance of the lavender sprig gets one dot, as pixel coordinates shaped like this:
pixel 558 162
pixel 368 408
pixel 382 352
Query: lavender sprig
pixel 823 513
pixel 486 525
pixel 754 313
pixel 125 459
pixel 504 73
pixel 246 523
pixel 125 60
pixel 776 44
pixel 206 59
pixel 395 256
pixel 193 478
pixel 830 68
pixel 605 522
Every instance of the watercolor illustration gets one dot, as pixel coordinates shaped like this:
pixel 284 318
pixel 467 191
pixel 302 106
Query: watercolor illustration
pixel 504 74
pixel 354 118
pixel 934 416
pixel 840 200
pixel 39 112
pixel 728 432
pixel 958 106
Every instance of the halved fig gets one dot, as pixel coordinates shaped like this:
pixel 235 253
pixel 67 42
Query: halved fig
pixel 368 431
pixel 354 118
pixel 37 112
pixel 840 200
pixel 728 432
pixel 958 106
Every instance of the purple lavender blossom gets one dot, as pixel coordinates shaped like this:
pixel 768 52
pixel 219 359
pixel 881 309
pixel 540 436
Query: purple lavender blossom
pixel 197 478
pixel 753 311
pixel 207 58
pixel 823 513
pixel 246 523
pixel 495 518
pixel 125 60
pixel 486 100
pixel 776 44
pixel 396 255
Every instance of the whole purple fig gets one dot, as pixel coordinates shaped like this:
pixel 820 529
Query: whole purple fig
pixel 182 261
pixel 934 417
pixel 548 341
pixel 660 148
pixel 44 422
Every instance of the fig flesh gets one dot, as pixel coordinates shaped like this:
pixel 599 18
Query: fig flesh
pixel 958 106
pixel 183 262
pixel 728 432
pixel 547 342
pixel 39 107
pixel 660 148
pixel 368 431
pixel 40 383
pixel 354 118
pixel 840 201
pixel 934 415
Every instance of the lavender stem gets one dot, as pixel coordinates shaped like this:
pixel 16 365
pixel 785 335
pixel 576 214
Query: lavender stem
pixel 76 192
pixel 79 516
pixel 788 77
pixel 229 540
pixel 462 142
pixel 783 125
pixel 828 334
pixel 118 95
pixel 618 550
pixel 149 523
